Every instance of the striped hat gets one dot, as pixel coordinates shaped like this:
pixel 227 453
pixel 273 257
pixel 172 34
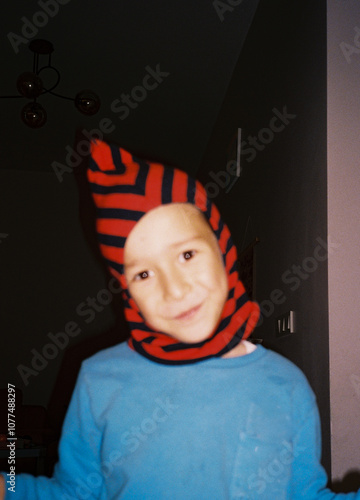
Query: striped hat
pixel 124 188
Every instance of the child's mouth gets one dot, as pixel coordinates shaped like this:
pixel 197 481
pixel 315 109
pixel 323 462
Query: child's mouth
pixel 189 314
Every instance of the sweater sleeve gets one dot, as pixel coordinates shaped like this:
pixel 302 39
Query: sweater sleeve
pixel 77 475
pixel 309 478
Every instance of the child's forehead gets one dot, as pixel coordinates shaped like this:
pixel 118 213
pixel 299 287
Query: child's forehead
pixel 186 212
pixel 168 225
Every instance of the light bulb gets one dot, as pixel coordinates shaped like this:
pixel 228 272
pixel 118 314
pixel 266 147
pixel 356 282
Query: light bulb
pixel 29 85
pixel 87 102
pixel 33 115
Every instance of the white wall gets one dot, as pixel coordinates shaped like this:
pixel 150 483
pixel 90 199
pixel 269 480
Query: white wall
pixel 344 229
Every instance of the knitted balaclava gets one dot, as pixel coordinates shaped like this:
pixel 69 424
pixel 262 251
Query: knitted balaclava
pixel 124 188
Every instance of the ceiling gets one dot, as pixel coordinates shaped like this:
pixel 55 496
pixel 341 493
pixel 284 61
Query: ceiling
pixel 110 47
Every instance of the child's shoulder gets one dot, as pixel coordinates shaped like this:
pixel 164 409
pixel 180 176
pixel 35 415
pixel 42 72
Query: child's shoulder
pixel 266 370
pixel 282 364
pixel 267 362
pixel 286 377
pixel 277 365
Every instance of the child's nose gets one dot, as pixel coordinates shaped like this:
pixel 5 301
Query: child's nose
pixel 175 285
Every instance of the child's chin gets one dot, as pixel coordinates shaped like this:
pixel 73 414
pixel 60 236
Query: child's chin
pixel 191 339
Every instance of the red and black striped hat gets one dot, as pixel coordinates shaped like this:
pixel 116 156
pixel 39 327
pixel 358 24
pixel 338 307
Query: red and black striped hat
pixel 124 188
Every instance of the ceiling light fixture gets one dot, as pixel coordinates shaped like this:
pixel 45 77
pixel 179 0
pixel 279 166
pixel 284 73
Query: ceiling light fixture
pixel 30 86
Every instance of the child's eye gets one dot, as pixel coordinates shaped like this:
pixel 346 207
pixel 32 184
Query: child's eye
pixel 142 276
pixel 189 254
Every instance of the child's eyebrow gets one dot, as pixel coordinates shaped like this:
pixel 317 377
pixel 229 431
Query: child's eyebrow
pixel 135 262
pixel 185 242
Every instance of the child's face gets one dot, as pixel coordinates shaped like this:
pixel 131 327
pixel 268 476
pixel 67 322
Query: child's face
pixel 175 273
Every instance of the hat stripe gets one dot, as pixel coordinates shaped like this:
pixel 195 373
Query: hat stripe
pixel 112 254
pixel 101 157
pixel 190 191
pixel 113 227
pixel 110 240
pixel 117 159
pixel 119 214
pixel 167 184
pixel 112 264
pixel 118 189
pixel 179 187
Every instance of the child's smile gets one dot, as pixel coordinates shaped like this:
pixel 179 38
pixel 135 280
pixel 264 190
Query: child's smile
pixel 175 272
pixel 189 314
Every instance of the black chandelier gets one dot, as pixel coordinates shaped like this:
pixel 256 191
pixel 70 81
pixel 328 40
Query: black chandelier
pixel 30 86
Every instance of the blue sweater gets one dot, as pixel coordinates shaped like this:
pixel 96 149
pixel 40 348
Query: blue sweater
pixel 233 428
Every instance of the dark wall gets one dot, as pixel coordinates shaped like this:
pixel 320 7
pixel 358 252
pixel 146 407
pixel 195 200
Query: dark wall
pixel 49 268
pixel 49 272
pixel 109 47
pixel 280 196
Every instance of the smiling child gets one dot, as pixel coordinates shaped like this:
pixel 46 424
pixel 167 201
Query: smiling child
pixel 187 409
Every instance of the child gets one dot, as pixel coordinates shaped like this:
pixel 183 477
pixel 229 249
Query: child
pixel 187 409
